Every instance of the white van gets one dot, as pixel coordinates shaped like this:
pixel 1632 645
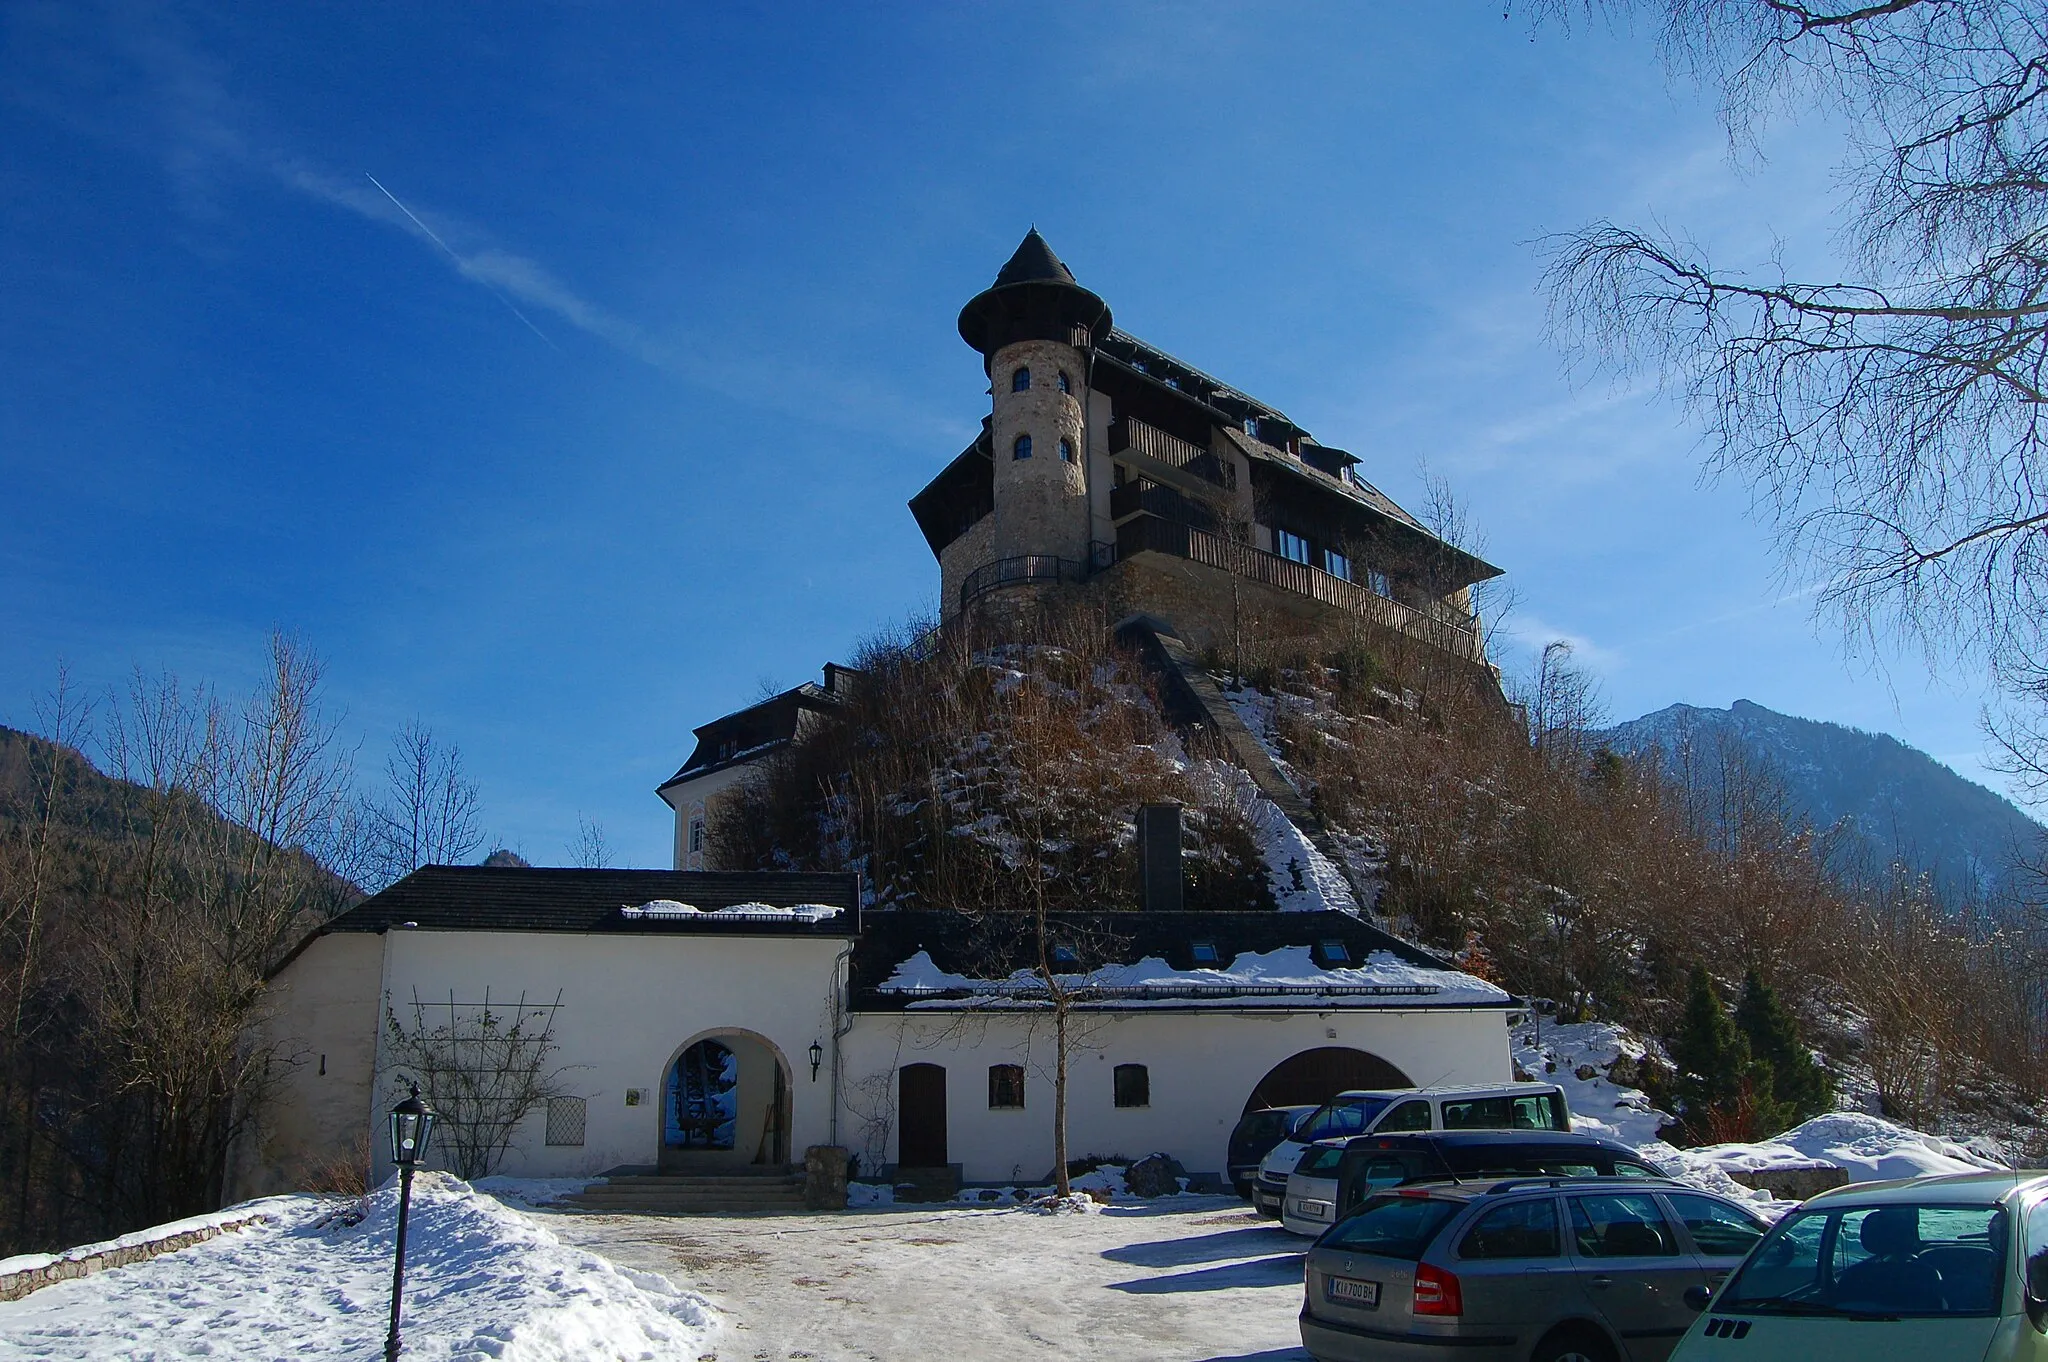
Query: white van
pixel 1935 1268
pixel 1487 1106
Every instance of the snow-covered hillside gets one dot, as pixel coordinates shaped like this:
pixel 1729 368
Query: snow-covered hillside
pixel 482 1281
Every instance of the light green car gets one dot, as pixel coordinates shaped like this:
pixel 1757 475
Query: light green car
pixel 1926 1270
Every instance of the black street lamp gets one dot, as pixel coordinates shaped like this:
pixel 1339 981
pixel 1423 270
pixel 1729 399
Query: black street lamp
pixel 817 1058
pixel 412 1122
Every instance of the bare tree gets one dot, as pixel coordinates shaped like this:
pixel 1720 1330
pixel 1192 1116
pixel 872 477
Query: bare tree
pixel 1891 420
pixel 483 1067
pixel 592 851
pixel 430 813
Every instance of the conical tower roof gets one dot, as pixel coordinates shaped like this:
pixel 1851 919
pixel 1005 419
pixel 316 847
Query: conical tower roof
pixel 1034 261
pixel 1034 297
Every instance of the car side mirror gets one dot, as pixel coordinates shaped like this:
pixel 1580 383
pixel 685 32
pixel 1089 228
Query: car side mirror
pixel 2037 1312
pixel 1696 1298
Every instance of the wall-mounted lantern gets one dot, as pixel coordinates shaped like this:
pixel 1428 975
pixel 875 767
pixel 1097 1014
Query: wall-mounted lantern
pixel 817 1059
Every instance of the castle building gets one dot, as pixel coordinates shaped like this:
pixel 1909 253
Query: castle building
pixel 1106 462
pixel 705 1026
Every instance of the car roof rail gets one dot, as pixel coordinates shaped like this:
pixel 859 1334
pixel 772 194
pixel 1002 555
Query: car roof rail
pixel 1560 1179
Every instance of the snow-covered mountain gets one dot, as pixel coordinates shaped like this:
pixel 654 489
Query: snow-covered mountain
pixel 1903 804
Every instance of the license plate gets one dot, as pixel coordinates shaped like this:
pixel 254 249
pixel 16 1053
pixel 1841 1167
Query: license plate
pixel 1354 1292
pixel 1313 1210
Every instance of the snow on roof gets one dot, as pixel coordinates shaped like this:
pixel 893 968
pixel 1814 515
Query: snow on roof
pixel 1285 977
pixel 744 912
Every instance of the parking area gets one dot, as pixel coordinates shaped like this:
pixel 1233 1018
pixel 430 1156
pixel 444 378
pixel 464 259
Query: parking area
pixel 1192 1279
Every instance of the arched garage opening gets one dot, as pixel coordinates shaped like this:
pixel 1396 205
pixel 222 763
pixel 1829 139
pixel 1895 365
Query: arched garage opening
pixel 1315 1076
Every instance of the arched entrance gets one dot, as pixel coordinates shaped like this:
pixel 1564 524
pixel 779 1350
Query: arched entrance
pixel 1315 1076
pixel 724 1103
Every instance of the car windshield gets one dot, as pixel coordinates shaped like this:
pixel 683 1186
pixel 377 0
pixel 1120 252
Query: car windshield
pixel 1321 1160
pixel 1344 1116
pixel 1392 1226
pixel 1876 1261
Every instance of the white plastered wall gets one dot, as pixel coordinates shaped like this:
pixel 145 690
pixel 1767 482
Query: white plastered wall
pixel 630 1003
pixel 1202 1067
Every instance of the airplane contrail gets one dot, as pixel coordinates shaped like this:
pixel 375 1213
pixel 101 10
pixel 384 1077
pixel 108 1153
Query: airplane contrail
pixel 460 263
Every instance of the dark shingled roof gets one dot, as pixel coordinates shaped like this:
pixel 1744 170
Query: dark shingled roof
pixel 1033 261
pixel 473 898
pixel 993 946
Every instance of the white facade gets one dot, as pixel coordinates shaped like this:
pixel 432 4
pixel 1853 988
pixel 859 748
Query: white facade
pixel 631 1003
pixel 1201 1064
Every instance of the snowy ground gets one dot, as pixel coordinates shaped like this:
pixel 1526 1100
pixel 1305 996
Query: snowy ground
pixel 1191 1279
pixel 482 1281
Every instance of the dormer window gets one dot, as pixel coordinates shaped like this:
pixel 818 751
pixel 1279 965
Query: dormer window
pixel 1020 381
pixel 1204 952
pixel 1066 384
pixel 1066 452
pixel 1021 449
pixel 1334 952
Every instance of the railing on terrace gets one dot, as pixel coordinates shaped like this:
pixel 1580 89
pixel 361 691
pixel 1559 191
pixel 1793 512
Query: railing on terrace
pixel 1128 433
pixel 1149 533
pixel 1034 569
pixel 1143 494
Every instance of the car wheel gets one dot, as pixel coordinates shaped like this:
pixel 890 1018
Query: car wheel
pixel 1573 1345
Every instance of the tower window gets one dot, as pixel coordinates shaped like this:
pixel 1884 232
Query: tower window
pixel 1022 449
pixel 1020 381
pixel 1066 385
pixel 697 836
pixel 1066 452
pixel 1133 1085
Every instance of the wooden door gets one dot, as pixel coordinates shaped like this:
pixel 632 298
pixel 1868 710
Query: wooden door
pixel 921 1116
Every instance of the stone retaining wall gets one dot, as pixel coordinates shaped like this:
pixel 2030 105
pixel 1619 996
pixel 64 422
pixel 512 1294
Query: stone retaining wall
pixel 83 1262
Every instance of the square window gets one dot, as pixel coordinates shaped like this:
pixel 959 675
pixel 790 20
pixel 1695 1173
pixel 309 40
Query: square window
pixel 1290 546
pixel 1377 580
pixel 1064 955
pixel 1335 952
pixel 1337 564
pixel 1205 952
pixel 1006 1087
pixel 1133 1085
pixel 565 1119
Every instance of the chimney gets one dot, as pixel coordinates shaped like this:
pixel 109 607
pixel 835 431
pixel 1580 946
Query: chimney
pixel 1159 871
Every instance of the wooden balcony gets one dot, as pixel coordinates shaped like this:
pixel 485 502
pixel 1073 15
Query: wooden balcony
pixel 1127 435
pixel 1150 533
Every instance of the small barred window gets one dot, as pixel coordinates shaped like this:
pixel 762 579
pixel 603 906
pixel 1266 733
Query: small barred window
pixel 566 1116
pixel 1020 381
pixel 1005 1087
pixel 1021 449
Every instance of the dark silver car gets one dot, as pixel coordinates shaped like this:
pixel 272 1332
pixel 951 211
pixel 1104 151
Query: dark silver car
pixel 1522 1270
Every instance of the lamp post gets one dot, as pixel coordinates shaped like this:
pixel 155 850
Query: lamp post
pixel 412 1122
pixel 817 1059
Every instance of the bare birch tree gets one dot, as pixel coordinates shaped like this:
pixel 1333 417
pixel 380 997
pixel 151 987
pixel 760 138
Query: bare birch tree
pixel 1890 419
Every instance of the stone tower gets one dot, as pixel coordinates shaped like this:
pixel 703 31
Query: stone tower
pixel 1036 330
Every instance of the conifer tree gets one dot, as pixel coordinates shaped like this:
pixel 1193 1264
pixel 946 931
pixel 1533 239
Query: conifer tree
pixel 1724 1090
pixel 1798 1085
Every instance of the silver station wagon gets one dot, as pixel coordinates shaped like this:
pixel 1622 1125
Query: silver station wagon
pixel 1521 1270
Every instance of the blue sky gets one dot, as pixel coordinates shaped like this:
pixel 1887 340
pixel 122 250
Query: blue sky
pixel 602 411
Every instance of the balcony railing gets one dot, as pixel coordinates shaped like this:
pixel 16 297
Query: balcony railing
pixel 1143 494
pixel 1129 434
pixel 1033 569
pixel 1148 533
